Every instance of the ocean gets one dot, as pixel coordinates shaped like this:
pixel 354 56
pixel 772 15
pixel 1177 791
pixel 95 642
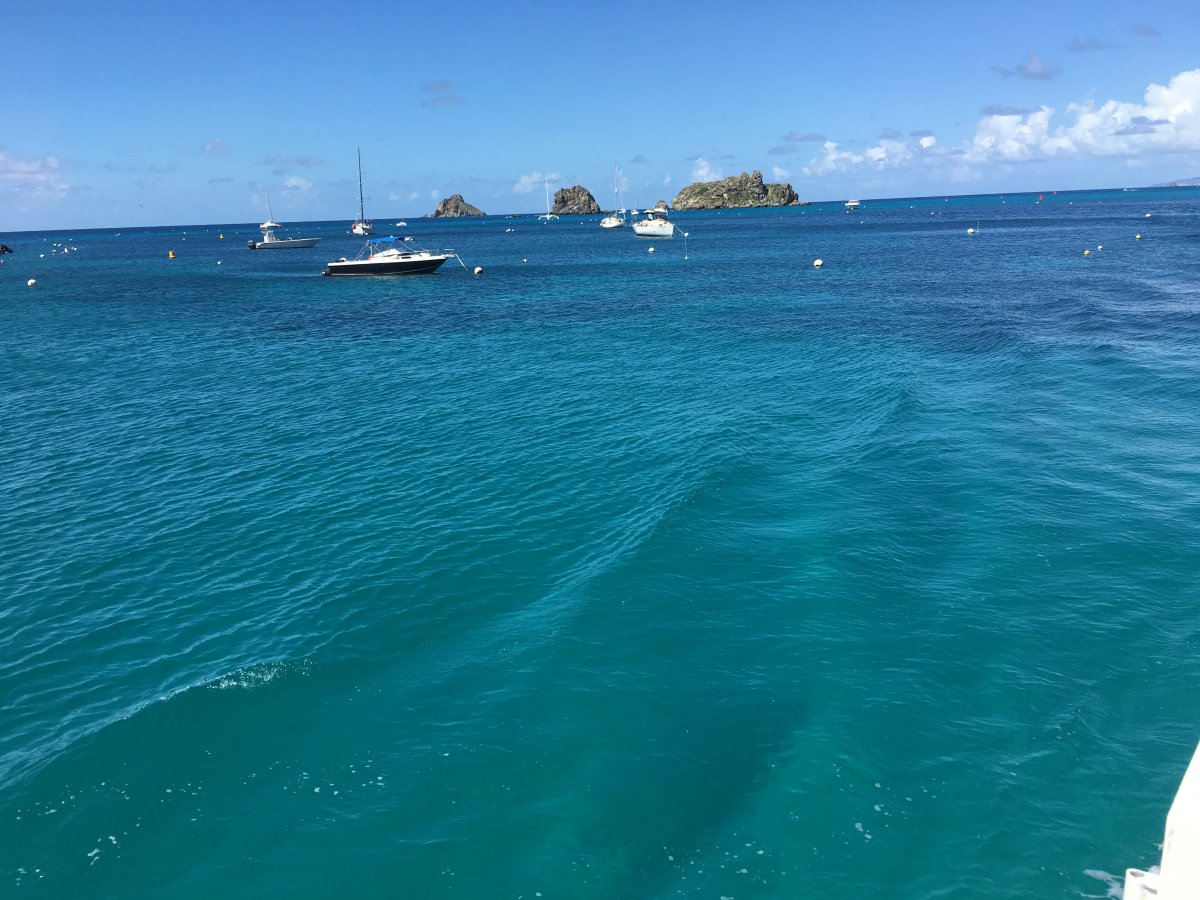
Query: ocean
pixel 698 573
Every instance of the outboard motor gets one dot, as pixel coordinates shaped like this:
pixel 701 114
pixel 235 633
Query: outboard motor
pixel 251 245
pixel 4 249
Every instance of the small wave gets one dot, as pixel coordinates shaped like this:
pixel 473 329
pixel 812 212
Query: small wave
pixel 257 675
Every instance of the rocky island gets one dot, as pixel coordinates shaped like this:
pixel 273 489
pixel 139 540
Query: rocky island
pixel 455 205
pixel 737 192
pixel 574 201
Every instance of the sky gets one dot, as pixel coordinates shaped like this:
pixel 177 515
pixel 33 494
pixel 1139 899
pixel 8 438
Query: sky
pixel 149 113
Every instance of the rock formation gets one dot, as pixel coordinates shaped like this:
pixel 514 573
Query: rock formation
pixel 738 192
pixel 455 205
pixel 574 201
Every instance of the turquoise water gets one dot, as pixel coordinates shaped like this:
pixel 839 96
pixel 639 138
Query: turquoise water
pixel 606 573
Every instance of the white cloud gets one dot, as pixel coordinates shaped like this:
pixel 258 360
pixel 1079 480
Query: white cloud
pixel 703 170
pixel 527 183
pixel 667 179
pixel 31 179
pixel 1168 119
pixel 413 196
pixel 215 147
pixel 297 185
pixel 435 194
pixel 780 174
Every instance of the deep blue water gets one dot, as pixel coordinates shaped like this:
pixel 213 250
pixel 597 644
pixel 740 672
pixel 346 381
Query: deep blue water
pixel 605 573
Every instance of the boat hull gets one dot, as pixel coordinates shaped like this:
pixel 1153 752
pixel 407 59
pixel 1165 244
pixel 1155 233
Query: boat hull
pixel 287 244
pixel 654 229
pixel 414 264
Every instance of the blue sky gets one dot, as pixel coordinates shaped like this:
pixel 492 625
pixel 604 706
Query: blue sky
pixel 124 114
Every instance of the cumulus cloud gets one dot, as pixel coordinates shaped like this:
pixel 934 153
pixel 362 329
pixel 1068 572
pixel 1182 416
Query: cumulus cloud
pixel 526 183
pixel 1087 45
pixel 300 162
pixel 1167 119
pixel 780 174
pixel 31 179
pixel 703 170
pixel 442 93
pixel 1033 68
pixel 799 137
pixel 296 187
pixel 1003 109
pixel 887 154
pixel 215 147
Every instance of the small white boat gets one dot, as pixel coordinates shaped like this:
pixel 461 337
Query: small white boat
pixel 401 224
pixel 616 219
pixel 853 204
pixel 548 216
pixel 271 242
pixel 378 257
pixel 655 224
pixel 362 226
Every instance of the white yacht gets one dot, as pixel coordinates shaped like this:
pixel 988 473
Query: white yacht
pixel 852 205
pixel 655 224
pixel 362 226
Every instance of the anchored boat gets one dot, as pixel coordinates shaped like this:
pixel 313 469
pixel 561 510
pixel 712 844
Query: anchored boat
pixel 379 257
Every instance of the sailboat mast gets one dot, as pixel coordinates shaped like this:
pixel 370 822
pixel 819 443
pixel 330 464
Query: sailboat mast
pixel 361 212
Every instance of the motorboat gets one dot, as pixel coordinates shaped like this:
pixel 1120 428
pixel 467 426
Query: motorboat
pixel 362 226
pixel 270 241
pixel 852 205
pixel 655 224
pixel 379 257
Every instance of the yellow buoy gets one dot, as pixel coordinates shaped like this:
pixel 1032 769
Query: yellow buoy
pixel 1137 237
pixel 170 254
pixel 221 236
pixel 1087 252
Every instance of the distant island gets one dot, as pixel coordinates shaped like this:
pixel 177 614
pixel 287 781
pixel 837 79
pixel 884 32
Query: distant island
pixel 1183 182
pixel 737 192
pixel 455 205
pixel 574 201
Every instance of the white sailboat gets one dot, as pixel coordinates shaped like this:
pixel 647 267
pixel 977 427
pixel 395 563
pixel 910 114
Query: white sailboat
pixel 617 219
pixel 549 216
pixel 361 226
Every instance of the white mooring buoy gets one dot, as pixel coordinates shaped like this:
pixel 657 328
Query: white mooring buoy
pixel 817 263
pixel 479 270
